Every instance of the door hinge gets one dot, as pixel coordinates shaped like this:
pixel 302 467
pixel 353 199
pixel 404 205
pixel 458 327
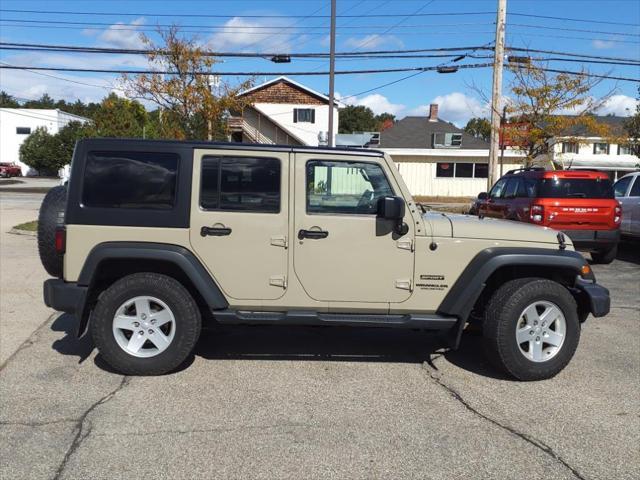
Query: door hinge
pixel 279 241
pixel 405 244
pixel 404 284
pixel 278 281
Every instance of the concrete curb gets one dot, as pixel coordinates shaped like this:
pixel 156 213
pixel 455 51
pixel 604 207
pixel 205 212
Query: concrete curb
pixel 25 189
pixel 27 233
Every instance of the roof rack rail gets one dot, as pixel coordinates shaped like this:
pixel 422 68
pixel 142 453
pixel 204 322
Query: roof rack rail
pixel 525 169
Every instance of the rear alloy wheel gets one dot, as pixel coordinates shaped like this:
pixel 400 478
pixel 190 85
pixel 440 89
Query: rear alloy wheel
pixel 145 324
pixel 531 328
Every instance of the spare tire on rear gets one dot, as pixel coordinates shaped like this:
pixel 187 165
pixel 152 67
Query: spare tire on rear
pixel 50 218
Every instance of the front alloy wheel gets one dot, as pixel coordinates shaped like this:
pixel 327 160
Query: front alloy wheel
pixel 541 331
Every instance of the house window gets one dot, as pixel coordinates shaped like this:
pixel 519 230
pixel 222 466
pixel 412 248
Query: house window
pixel 626 149
pixel 23 130
pixel 304 115
pixel 570 147
pixel 446 140
pixel 601 149
pixel 481 170
pixel 461 170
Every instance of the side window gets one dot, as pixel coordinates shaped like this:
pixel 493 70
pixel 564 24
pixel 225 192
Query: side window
pixel 345 187
pixel 620 188
pixel 496 191
pixel 240 184
pixel 511 190
pixel 145 180
pixel 635 190
pixel 530 187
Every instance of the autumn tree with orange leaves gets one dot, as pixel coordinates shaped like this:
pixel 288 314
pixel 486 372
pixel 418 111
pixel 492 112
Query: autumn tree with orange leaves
pixel 189 108
pixel 545 106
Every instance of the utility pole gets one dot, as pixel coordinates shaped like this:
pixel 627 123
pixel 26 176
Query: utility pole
pixel 496 93
pixel 332 70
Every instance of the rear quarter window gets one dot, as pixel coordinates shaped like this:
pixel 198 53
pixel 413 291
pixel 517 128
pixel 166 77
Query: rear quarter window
pixel 575 188
pixel 130 180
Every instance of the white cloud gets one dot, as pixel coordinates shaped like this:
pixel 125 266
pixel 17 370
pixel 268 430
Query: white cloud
pixel 620 105
pixel 122 35
pixel 240 34
pixel 603 44
pixel 373 41
pixel 454 107
pixel 376 102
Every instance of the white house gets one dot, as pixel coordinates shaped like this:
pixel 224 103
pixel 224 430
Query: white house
pixel 282 111
pixel 16 124
pixel 580 149
pixel 436 158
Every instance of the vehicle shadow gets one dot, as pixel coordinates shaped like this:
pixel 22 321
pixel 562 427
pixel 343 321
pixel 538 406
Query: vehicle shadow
pixel 70 344
pixel 629 251
pixel 294 343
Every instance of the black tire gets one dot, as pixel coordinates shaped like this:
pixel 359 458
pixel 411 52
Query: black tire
pixel 501 318
pixel 164 288
pixel 605 256
pixel 51 216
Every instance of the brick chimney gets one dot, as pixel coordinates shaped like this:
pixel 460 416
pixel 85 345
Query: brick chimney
pixel 433 112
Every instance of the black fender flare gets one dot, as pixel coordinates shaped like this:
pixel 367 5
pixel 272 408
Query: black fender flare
pixel 179 256
pixel 464 293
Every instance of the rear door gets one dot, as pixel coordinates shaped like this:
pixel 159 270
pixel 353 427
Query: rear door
pixel 239 220
pixel 343 252
pixel 577 202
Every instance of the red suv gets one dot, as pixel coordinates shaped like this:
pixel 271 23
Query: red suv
pixel 581 203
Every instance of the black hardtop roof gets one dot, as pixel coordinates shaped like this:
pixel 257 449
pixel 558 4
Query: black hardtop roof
pixel 138 142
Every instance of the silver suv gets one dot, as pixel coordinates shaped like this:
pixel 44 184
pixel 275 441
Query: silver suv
pixel 151 238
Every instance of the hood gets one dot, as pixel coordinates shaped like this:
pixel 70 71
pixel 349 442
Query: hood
pixel 470 226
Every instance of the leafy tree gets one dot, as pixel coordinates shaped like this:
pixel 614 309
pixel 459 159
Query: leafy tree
pixel 538 97
pixel 633 127
pixel 48 153
pixel 119 117
pixel 39 152
pixel 45 101
pixel 358 118
pixel 479 128
pixel 7 101
pixel 190 108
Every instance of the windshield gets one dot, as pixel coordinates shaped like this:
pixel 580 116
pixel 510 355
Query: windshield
pixel 575 188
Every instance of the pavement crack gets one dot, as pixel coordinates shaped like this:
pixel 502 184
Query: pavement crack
pixel 29 341
pixel 539 444
pixel 39 424
pixel 83 432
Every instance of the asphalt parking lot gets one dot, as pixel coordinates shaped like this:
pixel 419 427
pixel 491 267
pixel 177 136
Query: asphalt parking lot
pixel 276 402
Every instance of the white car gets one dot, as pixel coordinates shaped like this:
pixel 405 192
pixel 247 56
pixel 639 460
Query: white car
pixel 627 191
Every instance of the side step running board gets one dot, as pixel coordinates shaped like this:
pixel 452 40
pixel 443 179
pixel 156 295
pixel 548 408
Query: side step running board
pixel 300 317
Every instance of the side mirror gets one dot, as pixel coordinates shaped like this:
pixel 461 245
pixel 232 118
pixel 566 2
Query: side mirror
pixel 393 208
pixel 483 196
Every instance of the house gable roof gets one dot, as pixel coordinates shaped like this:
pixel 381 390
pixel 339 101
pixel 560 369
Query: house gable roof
pixel 288 93
pixel 417 132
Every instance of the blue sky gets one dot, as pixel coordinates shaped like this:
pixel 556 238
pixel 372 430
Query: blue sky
pixel 458 100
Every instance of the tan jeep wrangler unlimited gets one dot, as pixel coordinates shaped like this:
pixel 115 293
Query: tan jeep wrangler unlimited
pixel 150 237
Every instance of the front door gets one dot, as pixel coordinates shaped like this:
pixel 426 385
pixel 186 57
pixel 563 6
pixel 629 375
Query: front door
pixel 239 220
pixel 343 252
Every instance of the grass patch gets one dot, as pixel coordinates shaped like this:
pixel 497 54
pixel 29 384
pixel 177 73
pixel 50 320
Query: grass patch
pixel 28 226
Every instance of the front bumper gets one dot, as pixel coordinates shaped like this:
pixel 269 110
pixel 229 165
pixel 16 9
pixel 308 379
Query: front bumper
pixel 593 298
pixel 65 297
pixel 593 238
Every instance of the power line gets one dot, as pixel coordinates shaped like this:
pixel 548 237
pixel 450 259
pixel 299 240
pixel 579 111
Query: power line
pixel 302 73
pixel 228 74
pixel 568 19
